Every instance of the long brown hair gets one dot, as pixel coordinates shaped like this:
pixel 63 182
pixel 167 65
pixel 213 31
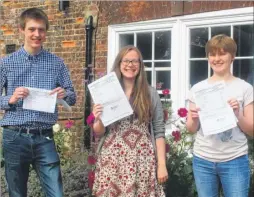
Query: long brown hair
pixel 140 93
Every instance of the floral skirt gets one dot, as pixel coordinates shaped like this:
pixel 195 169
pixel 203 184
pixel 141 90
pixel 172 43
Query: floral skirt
pixel 126 166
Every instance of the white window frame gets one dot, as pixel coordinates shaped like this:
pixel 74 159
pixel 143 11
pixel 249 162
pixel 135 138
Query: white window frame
pixel 153 69
pixel 236 16
pixel 180 28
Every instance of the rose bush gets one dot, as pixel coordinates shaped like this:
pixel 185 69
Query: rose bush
pixel 179 144
pixel 68 137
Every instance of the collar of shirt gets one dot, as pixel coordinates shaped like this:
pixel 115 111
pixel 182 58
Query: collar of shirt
pixel 28 56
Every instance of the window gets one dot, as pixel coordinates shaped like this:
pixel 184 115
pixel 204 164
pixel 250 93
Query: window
pixel 242 66
pixel 174 48
pixel 155 47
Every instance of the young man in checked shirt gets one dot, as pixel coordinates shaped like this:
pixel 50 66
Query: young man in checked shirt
pixel 27 134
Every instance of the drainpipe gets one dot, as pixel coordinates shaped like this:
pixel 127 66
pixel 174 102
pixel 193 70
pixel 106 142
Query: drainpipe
pixel 88 78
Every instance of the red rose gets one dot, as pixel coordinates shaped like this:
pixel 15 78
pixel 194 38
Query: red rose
pixel 177 135
pixel 165 92
pixel 91 160
pixel 91 177
pixel 90 119
pixel 182 112
pixel 69 124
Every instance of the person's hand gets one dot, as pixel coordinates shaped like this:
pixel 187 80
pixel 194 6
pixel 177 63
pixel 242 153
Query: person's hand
pixel 60 92
pixel 162 173
pixel 19 93
pixel 194 113
pixel 97 111
pixel 235 105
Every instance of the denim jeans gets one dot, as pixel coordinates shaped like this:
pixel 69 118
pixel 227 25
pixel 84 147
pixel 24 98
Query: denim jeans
pixel 233 175
pixel 22 150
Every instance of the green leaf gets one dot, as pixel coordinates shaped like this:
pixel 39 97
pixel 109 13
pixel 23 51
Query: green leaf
pixel 187 169
pixel 176 173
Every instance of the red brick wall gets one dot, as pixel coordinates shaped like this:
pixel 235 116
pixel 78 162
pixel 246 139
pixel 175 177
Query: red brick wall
pixel 66 36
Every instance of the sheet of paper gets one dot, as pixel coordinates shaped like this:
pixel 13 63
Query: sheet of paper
pixel 64 104
pixel 108 92
pixel 215 113
pixel 40 100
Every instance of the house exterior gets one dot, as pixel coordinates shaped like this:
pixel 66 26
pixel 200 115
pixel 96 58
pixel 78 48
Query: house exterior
pixel 170 34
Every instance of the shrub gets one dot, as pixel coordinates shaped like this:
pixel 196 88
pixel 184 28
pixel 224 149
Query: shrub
pixel 74 166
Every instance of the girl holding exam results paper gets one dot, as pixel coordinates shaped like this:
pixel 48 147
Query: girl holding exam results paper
pixel 127 164
pixel 223 157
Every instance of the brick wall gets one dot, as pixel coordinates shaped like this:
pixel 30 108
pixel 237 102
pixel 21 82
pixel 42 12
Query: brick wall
pixel 66 36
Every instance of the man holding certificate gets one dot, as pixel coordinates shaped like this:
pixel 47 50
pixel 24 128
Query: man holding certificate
pixel 32 79
pixel 127 164
pixel 221 112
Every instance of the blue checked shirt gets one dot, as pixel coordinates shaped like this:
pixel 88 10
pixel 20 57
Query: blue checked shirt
pixel 45 71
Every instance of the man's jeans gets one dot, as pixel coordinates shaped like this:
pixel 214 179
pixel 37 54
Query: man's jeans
pixel 234 176
pixel 20 150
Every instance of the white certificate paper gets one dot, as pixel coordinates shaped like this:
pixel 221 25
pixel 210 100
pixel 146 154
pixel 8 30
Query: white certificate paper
pixel 64 104
pixel 108 92
pixel 40 100
pixel 215 113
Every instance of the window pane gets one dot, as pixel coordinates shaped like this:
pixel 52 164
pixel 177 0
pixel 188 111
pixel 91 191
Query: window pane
pixel 198 71
pixel 244 69
pixel 162 64
pixel 149 77
pixel 243 35
pixel 164 78
pixel 198 39
pixel 220 30
pixel 163 45
pixel 144 43
pixel 148 64
pixel 126 39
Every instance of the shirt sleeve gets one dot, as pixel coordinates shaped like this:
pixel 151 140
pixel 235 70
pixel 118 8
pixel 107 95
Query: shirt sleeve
pixel 65 82
pixel 248 94
pixel 157 120
pixel 4 100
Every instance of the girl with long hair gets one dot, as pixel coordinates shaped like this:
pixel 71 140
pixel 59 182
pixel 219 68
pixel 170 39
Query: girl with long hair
pixel 132 160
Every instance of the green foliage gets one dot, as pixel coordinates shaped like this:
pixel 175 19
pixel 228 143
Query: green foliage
pixel 74 168
pixel 179 145
pixel 251 158
pixel 179 165
pixel 75 176
pixel 33 186
pixel 75 179
pixel 62 148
